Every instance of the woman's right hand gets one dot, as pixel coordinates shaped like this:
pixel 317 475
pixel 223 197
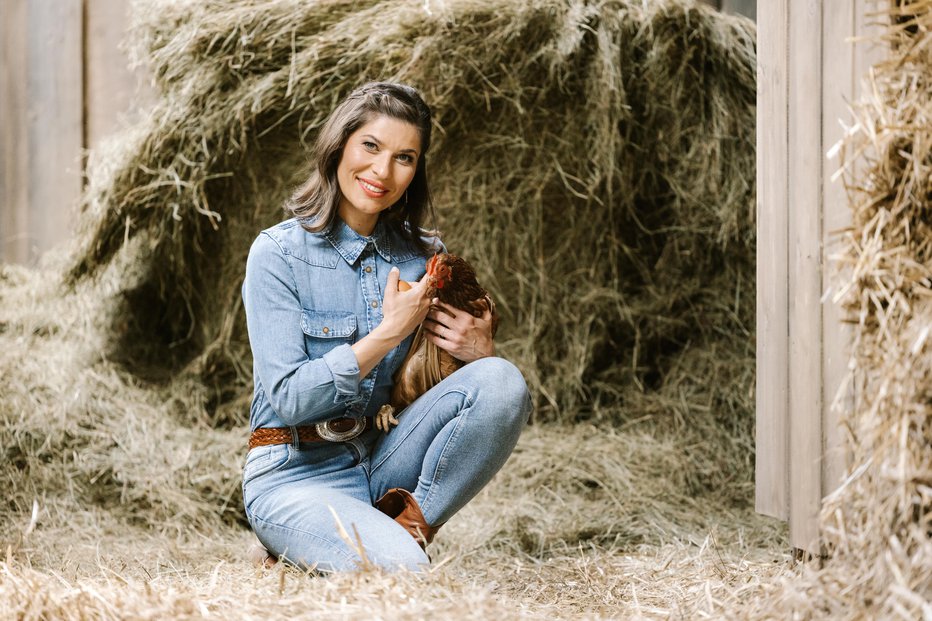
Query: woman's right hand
pixel 403 311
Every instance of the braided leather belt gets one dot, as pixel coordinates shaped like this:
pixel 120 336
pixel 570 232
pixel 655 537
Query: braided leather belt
pixel 335 430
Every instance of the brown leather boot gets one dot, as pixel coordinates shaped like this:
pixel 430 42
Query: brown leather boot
pixel 260 557
pixel 399 504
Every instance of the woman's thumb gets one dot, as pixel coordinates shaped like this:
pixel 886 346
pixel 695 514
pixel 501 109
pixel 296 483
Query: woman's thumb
pixel 393 275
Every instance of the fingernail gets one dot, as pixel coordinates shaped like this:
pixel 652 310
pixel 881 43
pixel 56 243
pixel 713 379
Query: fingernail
pixel 394 269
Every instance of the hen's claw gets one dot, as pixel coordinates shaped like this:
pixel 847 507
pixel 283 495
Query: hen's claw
pixel 385 419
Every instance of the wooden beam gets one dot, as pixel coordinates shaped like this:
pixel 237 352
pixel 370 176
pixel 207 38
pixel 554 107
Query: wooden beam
pixel 771 465
pixel 805 271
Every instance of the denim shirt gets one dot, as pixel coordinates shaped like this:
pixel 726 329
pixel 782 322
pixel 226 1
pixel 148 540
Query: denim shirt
pixel 308 297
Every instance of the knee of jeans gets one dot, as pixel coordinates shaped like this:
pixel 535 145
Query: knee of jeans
pixel 502 381
pixel 404 554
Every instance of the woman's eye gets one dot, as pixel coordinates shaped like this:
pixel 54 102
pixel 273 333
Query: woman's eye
pixel 405 158
pixel 369 145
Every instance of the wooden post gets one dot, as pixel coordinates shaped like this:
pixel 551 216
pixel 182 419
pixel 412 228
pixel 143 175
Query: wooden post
pixel 772 392
pixel 838 59
pixel 805 271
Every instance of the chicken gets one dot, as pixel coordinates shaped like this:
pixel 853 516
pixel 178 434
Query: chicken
pixel 453 281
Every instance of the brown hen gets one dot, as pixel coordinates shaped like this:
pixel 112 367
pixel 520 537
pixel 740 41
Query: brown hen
pixel 453 281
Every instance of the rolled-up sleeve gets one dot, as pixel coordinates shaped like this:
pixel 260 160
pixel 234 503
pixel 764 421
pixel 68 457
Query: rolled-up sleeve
pixel 300 390
pixel 345 370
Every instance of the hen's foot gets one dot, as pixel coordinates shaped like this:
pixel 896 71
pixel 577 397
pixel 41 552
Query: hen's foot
pixel 385 419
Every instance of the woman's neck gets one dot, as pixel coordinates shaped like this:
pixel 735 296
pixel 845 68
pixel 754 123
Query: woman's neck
pixel 363 224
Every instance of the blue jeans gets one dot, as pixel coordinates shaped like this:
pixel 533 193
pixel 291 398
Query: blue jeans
pixel 448 445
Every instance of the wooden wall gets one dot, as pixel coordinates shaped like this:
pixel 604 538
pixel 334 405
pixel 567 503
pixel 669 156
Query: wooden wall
pixel 748 8
pixel 64 84
pixel 808 68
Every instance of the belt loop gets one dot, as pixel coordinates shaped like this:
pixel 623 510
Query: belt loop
pixel 295 440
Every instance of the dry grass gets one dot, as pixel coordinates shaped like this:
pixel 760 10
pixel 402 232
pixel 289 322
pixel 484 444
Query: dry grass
pixel 138 513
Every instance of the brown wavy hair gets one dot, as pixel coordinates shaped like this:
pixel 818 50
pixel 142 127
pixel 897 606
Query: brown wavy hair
pixel 317 200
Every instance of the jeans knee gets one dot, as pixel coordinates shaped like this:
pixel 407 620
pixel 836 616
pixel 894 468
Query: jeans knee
pixel 399 551
pixel 502 382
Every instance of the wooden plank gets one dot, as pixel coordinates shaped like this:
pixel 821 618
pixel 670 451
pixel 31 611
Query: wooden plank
pixel 771 467
pixel 111 87
pixel 805 271
pixel 54 127
pixel 14 207
pixel 837 93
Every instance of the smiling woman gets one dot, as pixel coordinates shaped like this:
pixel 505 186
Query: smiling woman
pixel 329 326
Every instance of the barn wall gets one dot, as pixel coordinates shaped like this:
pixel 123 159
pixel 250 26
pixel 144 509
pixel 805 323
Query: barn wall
pixel 748 8
pixel 64 84
pixel 808 68
pixel 13 193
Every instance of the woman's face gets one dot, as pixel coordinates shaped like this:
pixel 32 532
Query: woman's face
pixel 376 166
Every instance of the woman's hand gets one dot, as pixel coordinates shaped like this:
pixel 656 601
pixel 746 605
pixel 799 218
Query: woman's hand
pixel 403 311
pixel 464 336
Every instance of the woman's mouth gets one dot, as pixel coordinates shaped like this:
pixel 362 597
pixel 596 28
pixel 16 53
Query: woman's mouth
pixel 371 188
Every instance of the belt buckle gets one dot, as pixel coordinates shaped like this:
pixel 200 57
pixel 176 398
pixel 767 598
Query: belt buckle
pixel 326 432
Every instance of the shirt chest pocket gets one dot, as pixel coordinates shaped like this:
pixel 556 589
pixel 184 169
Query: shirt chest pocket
pixel 324 330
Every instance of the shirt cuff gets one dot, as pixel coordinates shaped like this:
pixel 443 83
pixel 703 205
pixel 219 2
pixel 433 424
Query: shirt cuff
pixel 345 370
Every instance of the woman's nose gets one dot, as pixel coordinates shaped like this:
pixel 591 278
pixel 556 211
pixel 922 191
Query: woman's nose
pixel 381 166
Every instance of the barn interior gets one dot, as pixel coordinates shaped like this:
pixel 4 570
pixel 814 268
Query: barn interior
pixel 596 162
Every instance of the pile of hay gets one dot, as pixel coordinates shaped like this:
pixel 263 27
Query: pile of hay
pixel 594 159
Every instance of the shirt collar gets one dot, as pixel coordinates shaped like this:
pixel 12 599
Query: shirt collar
pixel 351 244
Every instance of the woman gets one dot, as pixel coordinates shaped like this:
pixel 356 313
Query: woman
pixel 328 328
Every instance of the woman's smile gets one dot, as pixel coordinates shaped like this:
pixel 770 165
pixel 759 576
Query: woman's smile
pixel 373 189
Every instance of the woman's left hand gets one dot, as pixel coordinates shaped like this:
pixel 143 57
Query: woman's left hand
pixel 465 337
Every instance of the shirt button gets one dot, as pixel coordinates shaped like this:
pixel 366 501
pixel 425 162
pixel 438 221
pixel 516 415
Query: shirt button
pixel 368 269
pixel 375 304
pixel 325 330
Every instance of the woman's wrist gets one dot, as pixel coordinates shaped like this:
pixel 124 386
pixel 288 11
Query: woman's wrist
pixel 387 333
pixel 373 347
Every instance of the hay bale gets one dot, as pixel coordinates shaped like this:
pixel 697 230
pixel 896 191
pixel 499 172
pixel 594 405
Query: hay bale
pixel 594 160
pixel 879 524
